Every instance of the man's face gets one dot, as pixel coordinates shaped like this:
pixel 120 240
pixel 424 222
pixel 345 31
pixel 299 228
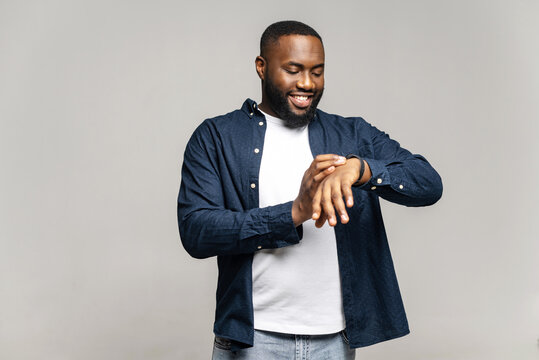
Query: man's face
pixel 293 78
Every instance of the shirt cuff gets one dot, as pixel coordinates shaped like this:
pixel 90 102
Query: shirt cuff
pixel 380 175
pixel 282 230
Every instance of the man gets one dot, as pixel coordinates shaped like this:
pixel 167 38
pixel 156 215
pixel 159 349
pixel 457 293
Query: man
pixel 304 264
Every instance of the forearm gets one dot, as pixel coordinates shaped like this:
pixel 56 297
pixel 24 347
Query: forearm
pixel 409 181
pixel 398 175
pixel 207 232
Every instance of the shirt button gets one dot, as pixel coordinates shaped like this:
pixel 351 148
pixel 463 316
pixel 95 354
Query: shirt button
pixel 261 123
pixel 254 106
pixel 373 188
pixel 378 181
pixel 257 151
pixel 259 247
pixel 251 114
pixel 253 185
pixel 401 186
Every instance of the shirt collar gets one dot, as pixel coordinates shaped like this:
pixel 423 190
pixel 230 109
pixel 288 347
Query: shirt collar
pixel 250 107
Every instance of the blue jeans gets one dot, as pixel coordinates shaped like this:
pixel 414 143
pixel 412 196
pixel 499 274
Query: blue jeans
pixel 275 346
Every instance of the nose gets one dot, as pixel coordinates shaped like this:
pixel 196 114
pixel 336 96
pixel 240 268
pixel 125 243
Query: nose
pixel 305 82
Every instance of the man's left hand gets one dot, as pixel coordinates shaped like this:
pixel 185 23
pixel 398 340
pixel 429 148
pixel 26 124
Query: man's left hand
pixel 328 199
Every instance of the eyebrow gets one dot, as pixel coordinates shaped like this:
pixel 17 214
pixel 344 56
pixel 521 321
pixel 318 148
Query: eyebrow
pixel 291 63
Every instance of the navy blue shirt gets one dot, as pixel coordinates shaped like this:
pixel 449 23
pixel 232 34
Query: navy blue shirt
pixel 219 215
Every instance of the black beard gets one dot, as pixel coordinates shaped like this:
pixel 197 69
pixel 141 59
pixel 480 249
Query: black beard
pixel 278 102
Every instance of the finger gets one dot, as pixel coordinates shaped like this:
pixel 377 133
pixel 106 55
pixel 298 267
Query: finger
pixel 318 166
pixel 327 204
pixel 338 203
pixel 320 221
pixel 326 157
pixel 323 174
pixel 347 194
pixel 316 207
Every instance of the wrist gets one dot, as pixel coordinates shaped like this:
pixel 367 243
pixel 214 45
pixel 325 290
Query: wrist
pixel 298 214
pixel 359 167
pixel 366 175
pixel 364 170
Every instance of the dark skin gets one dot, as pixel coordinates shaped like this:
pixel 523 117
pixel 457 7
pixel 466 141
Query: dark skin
pixel 295 65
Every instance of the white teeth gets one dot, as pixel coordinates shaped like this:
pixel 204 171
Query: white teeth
pixel 301 97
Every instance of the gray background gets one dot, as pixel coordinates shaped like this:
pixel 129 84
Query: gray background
pixel 98 99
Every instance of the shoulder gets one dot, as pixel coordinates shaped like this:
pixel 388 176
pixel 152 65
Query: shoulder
pixel 353 131
pixel 229 122
pixel 226 128
pixel 341 123
pixel 221 121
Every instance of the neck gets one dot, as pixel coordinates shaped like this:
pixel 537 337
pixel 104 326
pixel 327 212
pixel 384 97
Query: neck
pixel 265 107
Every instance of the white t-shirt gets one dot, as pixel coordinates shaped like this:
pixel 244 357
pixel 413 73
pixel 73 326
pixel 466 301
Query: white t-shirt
pixel 296 289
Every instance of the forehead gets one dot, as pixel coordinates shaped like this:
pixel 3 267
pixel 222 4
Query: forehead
pixel 303 49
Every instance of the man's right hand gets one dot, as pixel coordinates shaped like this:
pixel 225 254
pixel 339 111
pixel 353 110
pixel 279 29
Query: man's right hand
pixel 321 166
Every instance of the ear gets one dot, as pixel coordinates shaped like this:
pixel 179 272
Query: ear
pixel 260 64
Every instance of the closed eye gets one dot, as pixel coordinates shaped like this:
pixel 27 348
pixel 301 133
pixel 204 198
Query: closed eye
pixel 293 72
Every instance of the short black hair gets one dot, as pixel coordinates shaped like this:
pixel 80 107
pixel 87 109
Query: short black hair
pixel 281 28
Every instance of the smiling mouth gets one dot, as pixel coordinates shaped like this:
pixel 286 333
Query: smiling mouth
pixel 301 101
